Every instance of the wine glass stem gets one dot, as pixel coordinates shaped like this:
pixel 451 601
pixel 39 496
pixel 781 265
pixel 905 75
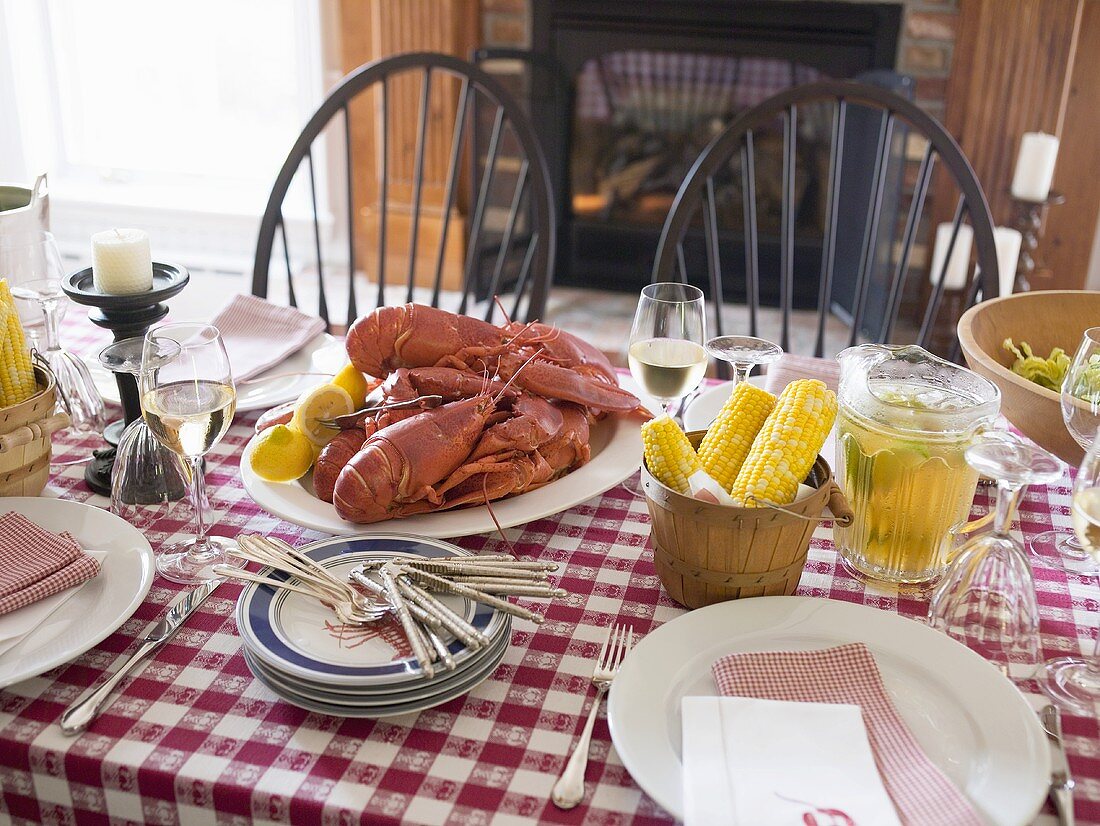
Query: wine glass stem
pixel 198 498
pixel 53 324
pixel 740 372
pixel 1007 494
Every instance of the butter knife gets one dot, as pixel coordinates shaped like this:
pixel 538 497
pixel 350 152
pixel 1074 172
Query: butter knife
pixel 1061 781
pixel 80 714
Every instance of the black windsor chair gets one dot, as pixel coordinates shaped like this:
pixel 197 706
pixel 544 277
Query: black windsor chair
pixel 882 264
pixel 511 221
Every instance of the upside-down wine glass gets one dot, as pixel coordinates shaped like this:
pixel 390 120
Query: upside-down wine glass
pixel 1074 682
pixel 986 600
pixel 36 269
pixel 148 478
pixel 666 354
pixel 1081 414
pixel 743 353
pixel 188 400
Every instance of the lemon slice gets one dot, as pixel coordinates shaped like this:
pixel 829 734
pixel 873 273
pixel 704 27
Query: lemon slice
pixel 281 454
pixel 321 402
pixel 354 382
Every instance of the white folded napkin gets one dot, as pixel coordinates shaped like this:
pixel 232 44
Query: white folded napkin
pixel 258 335
pixel 750 762
pixel 17 624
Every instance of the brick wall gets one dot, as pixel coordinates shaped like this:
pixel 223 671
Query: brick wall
pixel 924 49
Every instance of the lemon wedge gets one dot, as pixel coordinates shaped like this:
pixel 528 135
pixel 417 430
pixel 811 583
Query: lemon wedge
pixel 281 454
pixel 354 382
pixel 322 402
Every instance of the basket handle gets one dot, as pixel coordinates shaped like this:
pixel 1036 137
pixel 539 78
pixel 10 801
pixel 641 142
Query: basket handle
pixel 839 507
pixel 837 504
pixel 33 431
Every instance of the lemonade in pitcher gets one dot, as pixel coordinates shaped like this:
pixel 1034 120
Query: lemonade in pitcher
pixel 905 419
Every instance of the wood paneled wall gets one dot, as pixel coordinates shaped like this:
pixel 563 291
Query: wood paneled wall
pixel 1068 239
pixel 371 30
pixel 1032 66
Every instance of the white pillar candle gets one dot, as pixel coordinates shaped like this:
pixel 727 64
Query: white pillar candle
pixel 959 267
pixel 1008 242
pixel 121 262
pixel 1035 166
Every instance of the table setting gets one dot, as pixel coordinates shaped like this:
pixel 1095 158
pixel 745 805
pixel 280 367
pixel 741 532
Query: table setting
pixel 450 571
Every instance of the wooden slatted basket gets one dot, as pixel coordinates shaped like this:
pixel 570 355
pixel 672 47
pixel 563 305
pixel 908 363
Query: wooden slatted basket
pixel 707 553
pixel 25 445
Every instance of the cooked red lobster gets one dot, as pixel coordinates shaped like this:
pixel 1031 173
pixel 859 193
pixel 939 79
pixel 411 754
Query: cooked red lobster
pixel 519 402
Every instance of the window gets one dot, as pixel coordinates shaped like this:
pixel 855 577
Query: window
pixel 155 112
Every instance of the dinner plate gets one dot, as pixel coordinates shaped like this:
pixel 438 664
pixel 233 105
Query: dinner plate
pixel 101 605
pixel 969 719
pixel 616 444
pixel 292 632
pixel 323 354
pixel 394 710
pixel 443 683
pixel 384 694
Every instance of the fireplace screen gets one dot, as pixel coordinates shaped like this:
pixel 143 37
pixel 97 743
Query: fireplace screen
pixel 641 119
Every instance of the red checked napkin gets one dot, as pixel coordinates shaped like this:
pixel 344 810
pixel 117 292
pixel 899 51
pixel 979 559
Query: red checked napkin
pixel 789 367
pixel 35 563
pixel 258 335
pixel 848 674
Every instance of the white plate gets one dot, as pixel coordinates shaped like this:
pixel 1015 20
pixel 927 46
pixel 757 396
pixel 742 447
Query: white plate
pixel 288 631
pixel 706 406
pixel 443 684
pixel 969 719
pixel 101 605
pixel 324 354
pixel 476 677
pixel 616 453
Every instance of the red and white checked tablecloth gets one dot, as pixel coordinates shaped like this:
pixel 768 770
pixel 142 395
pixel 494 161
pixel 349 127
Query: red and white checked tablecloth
pixel 193 738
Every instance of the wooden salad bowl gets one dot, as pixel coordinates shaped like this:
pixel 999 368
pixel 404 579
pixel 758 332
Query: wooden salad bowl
pixel 1045 320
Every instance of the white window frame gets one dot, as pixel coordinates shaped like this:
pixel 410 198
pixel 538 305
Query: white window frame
pixel 212 227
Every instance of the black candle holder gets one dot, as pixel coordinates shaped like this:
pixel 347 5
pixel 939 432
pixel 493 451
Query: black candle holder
pixel 1028 219
pixel 126 316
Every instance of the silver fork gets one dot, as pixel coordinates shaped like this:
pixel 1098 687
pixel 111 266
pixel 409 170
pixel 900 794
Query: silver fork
pixel 569 790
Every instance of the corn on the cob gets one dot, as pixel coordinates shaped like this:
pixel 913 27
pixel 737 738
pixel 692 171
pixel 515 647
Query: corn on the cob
pixel 729 438
pixel 668 453
pixel 17 382
pixel 787 445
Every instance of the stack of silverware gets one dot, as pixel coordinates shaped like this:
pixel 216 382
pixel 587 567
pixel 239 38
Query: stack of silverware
pixel 379 625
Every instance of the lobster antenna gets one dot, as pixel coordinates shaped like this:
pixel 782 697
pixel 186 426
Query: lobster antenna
pixel 503 312
pixel 489 507
pixel 530 359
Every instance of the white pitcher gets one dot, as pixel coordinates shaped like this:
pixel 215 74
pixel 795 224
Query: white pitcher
pixel 24 216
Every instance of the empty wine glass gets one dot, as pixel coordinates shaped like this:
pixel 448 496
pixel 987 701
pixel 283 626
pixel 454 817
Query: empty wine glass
pixel 188 400
pixel 1074 682
pixel 986 600
pixel 1081 414
pixel 666 354
pixel 40 273
pixel 743 353
pixel 148 478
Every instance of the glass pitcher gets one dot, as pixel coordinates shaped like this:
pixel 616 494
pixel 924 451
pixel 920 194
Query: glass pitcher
pixel 905 420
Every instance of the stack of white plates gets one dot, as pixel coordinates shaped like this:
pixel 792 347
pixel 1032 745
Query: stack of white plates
pixel 296 647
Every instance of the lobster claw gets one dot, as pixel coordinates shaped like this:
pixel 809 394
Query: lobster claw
pixel 554 382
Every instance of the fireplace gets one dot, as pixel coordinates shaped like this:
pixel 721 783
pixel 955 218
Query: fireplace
pixel 650 84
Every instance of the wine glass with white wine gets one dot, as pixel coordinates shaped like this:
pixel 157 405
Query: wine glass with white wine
pixel 1081 414
pixel 188 400
pixel 666 353
pixel 1074 682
